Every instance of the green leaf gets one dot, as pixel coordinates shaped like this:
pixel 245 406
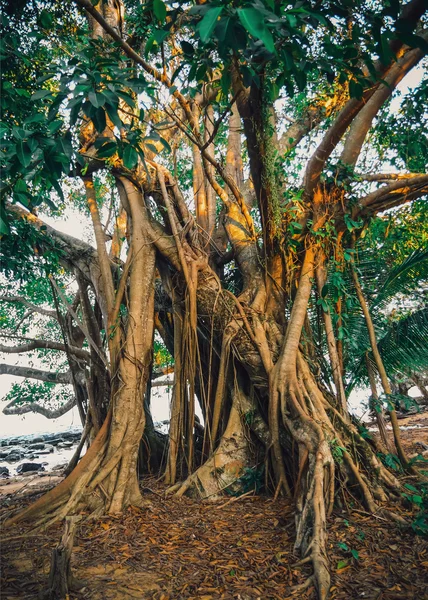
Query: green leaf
pixel 96 99
pixel 165 144
pixel 46 19
pixel 151 147
pixel 113 115
pixel 24 154
pixel 130 157
pixel 40 94
pixel 159 9
pixel 341 564
pixel 187 48
pixel 99 119
pixel 55 126
pixel 20 187
pixel 107 150
pixel 206 25
pixel 356 90
pixel 127 98
pixel 355 554
pixel 414 41
pixel 253 22
pixel 410 487
pixel 37 118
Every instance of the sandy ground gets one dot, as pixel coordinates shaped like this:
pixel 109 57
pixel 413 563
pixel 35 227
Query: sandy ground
pixel 22 484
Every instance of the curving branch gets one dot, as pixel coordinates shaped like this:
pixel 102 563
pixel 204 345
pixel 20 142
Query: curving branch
pixel 71 246
pixel 33 344
pixel 401 190
pixel 383 177
pixel 310 119
pixel 31 373
pixel 407 21
pixel 34 308
pixel 363 121
pixel 50 413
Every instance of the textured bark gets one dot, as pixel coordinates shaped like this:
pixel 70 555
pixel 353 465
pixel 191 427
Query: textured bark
pixel 60 576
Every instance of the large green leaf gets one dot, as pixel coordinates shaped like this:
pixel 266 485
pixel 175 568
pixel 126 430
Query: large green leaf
pixel 253 22
pixel 207 24
pixel 159 9
pixel 130 157
pixel 24 153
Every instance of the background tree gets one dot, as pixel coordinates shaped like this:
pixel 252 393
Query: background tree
pixel 240 252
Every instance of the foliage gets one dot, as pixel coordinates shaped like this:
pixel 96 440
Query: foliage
pixel 418 497
pixel 50 395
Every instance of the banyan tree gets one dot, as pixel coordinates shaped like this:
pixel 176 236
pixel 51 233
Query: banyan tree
pixel 239 147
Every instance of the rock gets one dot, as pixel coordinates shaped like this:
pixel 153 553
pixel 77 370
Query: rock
pixel 66 444
pixel 59 467
pixel 13 457
pixel 38 440
pixel 28 467
pixel 37 446
pixel 56 441
pixel 4 453
pixel 4 472
pixel 48 449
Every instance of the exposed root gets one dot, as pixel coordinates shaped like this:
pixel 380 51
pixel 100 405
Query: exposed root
pixel 303 586
pixel 226 465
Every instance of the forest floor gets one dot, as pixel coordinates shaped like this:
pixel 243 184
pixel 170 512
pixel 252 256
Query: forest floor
pixel 184 548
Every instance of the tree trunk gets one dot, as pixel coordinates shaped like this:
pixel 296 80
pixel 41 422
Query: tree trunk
pixel 105 480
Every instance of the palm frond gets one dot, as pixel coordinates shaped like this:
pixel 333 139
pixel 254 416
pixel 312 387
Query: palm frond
pixel 403 348
pixel 404 278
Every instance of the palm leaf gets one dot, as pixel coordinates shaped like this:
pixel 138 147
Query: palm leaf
pixel 404 278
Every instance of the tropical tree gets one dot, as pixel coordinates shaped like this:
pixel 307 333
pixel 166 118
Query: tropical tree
pixel 229 134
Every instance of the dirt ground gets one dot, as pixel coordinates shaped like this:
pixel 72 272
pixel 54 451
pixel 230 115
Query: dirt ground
pixel 183 548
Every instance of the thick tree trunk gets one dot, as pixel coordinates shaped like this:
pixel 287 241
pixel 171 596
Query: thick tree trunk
pixel 106 480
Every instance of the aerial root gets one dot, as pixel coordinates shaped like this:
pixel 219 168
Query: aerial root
pixel 302 586
pixel 282 485
pixel 173 488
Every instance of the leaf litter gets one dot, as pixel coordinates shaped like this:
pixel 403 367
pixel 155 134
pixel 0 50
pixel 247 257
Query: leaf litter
pixel 184 548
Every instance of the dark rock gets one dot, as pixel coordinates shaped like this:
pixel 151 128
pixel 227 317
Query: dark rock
pixel 13 457
pixel 4 453
pixel 56 441
pixel 28 467
pixel 37 446
pixel 48 449
pixel 4 472
pixel 66 444
pixel 39 439
pixel 59 467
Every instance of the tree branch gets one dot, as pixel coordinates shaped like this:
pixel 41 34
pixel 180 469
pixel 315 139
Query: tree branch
pixel 33 344
pixel 13 409
pixel 301 127
pixel 408 20
pixel 30 373
pixel 401 187
pixel 363 121
pixel 21 300
pixel 383 177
